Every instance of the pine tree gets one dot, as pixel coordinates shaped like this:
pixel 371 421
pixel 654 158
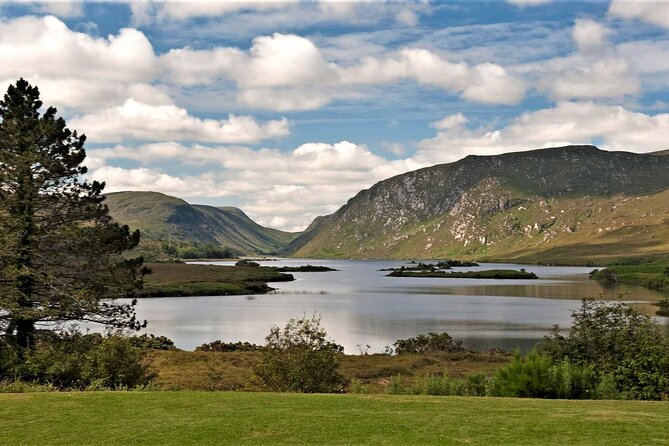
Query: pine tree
pixel 60 252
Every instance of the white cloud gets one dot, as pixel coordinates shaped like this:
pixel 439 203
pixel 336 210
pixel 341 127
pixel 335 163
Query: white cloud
pixel 655 12
pixel 265 179
pixel 590 36
pixel 596 70
pixel 450 122
pixel 485 83
pixel 60 8
pixel 279 60
pixel 76 70
pixel 145 12
pixel 31 46
pixel 407 17
pixel 138 121
pixel 566 123
pixel 288 72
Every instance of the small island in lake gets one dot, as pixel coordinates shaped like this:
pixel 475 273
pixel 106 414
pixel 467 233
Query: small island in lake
pixel 485 274
pixel 440 265
pixel 181 279
pixel 303 269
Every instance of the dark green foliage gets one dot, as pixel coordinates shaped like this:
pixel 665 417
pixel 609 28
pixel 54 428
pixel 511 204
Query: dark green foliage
pixel 300 358
pixel 220 346
pixel 152 342
pixel 196 251
pixel 245 262
pixel 60 256
pixel 619 341
pixel 647 273
pixel 77 361
pixel 536 376
pixel 432 342
pixel 303 269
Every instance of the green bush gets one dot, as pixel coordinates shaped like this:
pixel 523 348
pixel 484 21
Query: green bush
pixel 432 342
pixel 152 342
pixel 619 341
pixel 524 377
pixel 220 346
pixel 116 363
pixel 77 361
pixel 300 358
pixel 8 359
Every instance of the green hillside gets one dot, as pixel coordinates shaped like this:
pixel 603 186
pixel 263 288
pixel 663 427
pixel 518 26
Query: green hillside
pixel 574 204
pixel 163 219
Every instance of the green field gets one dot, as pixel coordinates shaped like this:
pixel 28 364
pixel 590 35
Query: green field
pixel 180 418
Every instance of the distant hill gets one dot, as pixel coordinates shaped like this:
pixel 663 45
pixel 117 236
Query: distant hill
pixel 572 204
pixel 169 220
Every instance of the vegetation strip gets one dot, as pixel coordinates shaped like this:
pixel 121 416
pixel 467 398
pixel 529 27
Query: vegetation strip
pixel 487 274
pixel 179 279
pixel 166 418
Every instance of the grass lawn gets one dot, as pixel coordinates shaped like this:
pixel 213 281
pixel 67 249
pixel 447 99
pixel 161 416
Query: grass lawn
pixel 184 418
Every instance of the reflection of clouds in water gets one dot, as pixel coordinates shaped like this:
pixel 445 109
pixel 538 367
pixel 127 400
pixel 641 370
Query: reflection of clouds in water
pixel 362 306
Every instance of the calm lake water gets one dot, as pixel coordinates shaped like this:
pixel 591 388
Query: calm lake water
pixel 360 306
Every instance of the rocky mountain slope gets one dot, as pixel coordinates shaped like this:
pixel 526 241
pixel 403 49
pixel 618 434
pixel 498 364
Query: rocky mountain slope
pixel 165 219
pixel 572 204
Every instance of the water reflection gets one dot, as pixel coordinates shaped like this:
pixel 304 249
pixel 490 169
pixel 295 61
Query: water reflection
pixel 359 305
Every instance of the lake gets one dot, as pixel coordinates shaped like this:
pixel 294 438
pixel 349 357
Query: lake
pixel 364 310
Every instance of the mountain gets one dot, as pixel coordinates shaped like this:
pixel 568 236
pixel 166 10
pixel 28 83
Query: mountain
pixel 572 204
pixel 162 218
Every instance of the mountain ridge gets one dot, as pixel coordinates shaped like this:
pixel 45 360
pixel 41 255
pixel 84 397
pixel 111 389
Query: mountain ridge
pixel 553 205
pixel 165 219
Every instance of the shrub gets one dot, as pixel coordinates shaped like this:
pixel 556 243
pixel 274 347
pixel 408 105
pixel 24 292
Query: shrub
pixel 536 376
pixel 357 386
pixel 619 341
pixel 117 363
pixel 300 358
pixel 78 361
pixel 220 346
pixel 523 377
pixel 432 342
pixel 8 358
pixel 152 342
pixel 396 386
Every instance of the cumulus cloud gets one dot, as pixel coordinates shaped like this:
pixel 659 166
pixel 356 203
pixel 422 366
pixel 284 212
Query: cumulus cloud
pixel 596 70
pixel 265 179
pixel 276 70
pixel 589 35
pixel 566 123
pixel 655 12
pixel 138 121
pixel 74 69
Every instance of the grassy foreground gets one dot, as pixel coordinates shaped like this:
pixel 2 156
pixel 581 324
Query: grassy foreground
pixel 165 418
pixel 181 370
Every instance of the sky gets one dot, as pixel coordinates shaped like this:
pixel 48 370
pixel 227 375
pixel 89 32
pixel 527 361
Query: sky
pixel 287 109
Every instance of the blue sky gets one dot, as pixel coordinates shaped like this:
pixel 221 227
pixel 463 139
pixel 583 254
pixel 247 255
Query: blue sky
pixel 288 108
